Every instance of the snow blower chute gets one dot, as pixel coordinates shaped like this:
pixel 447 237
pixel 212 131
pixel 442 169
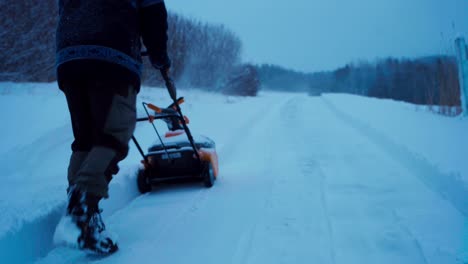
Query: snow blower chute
pixel 177 155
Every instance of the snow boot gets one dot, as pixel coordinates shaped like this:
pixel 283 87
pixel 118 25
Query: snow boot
pixel 85 213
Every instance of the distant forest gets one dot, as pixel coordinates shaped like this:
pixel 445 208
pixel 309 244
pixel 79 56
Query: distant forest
pixel 426 81
pixel 203 55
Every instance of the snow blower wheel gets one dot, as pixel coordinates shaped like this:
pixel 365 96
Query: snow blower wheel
pixel 208 175
pixel 143 182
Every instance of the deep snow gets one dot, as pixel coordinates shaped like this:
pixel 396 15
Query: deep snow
pixel 331 179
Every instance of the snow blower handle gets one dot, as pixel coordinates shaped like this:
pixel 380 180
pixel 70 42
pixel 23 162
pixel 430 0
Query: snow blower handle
pixel 169 85
pixel 169 82
pixel 173 93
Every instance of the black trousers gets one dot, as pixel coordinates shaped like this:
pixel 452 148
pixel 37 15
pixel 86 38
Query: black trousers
pixel 103 117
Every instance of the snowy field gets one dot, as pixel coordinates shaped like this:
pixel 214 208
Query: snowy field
pixel 330 179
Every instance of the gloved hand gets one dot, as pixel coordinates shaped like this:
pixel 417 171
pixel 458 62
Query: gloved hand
pixel 161 61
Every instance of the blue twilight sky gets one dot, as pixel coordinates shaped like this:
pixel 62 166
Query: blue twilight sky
pixel 313 35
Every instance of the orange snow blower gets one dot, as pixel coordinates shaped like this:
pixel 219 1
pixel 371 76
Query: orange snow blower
pixel 177 155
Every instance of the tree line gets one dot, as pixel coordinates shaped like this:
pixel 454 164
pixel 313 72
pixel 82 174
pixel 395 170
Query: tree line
pixel 203 55
pixel 429 81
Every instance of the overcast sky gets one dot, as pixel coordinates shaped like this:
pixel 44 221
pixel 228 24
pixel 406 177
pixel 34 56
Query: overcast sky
pixel 313 35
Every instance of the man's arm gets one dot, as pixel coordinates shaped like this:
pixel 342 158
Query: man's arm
pixel 153 22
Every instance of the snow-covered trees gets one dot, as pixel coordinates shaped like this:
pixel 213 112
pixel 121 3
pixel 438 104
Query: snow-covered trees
pixel 27 46
pixel 429 81
pixel 203 55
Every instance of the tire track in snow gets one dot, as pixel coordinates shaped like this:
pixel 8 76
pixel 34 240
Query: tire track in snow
pixel 293 226
pixel 323 196
pixel 309 166
pixel 408 232
pixel 350 206
pixel 245 248
pixel 248 124
pixel 450 195
pixel 297 116
pixel 230 155
pixel 265 114
pixel 183 212
pixel 446 186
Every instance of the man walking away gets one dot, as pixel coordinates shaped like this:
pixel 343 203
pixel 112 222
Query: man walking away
pixel 99 69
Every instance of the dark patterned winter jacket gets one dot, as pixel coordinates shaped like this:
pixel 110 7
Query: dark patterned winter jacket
pixel 102 37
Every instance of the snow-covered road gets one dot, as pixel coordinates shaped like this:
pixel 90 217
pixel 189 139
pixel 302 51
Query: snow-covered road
pixel 300 182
